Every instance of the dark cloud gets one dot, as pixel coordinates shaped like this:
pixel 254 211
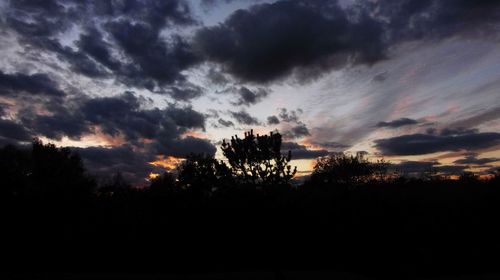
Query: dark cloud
pixel 106 161
pixel 249 97
pixel 297 131
pixel 79 62
pixel 93 44
pixel 146 59
pixel 185 146
pixel 413 167
pixel 58 125
pixel 272 120
pixel 186 117
pixel 216 77
pixel 457 131
pixel 416 19
pixel 242 117
pixel 312 36
pixel 153 12
pixel 473 160
pixel 481 117
pixel 301 151
pixel 380 77
pixel 153 58
pixel 289 116
pixel 13 132
pixel 418 168
pixel 185 92
pixel 397 123
pixel 225 123
pixel 269 41
pixel 331 146
pixel 451 169
pixel 35 84
pixel 416 144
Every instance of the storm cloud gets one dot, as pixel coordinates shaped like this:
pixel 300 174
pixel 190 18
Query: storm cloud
pixel 35 84
pixel 302 151
pixel 417 144
pixel 397 123
pixel 267 41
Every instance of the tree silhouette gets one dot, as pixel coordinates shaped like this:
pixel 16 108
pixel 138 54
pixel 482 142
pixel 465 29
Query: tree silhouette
pixel 342 168
pixel 116 185
pixel 258 159
pixel 163 184
pixel 203 173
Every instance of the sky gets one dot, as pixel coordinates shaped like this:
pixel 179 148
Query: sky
pixel 135 85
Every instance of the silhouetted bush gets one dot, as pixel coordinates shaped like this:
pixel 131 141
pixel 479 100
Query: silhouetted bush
pixel 45 171
pixel 204 174
pixel 213 216
pixel 341 168
pixel 258 159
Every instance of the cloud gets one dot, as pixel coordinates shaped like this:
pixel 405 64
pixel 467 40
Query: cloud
pixel 417 144
pixel 268 41
pixel 413 166
pixel 473 160
pixel 301 151
pixel 185 146
pixel 380 77
pixel 297 131
pixel 120 39
pixel 397 123
pixel 331 146
pixel 242 117
pixel 417 19
pixel 483 116
pixel 35 84
pixel 185 91
pixel 225 123
pixel 417 168
pixel 12 132
pixel 92 43
pixel 248 97
pixel 153 58
pixel 186 117
pixel 289 116
pixel 104 162
pixel 272 120
pixel 216 77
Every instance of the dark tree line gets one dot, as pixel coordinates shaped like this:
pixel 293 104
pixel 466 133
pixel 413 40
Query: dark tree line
pixel 244 213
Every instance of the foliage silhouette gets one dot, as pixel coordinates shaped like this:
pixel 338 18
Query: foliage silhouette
pixel 341 168
pixel 258 159
pixel 55 218
pixel 46 171
pixel 116 185
pixel 204 174
pixel 163 185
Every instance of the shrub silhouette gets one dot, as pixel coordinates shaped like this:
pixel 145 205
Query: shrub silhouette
pixel 203 173
pixel 163 185
pixel 341 168
pixel 116 185
pixel 258 159
pixel 45 171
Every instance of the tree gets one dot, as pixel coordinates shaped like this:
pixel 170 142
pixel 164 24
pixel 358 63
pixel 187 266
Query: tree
pixel 342 168
pixel 203 173
pixel 116 185
pixel 163 184
pixel 44 171
pixel 258 159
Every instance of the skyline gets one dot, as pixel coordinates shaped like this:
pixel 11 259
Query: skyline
pixel 131 83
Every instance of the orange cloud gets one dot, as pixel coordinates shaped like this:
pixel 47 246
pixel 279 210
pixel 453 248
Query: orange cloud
pixel 168 163
pixel 152 176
